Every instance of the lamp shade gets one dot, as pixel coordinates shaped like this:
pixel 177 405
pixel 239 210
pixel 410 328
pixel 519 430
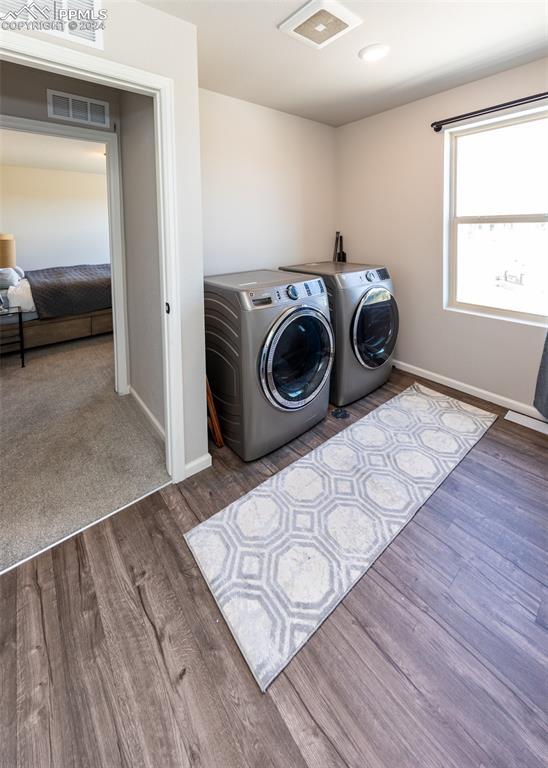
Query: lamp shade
pixel 7 251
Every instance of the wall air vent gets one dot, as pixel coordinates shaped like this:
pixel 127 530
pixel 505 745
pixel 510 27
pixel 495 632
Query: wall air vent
pixel 78 109
pixel 320 22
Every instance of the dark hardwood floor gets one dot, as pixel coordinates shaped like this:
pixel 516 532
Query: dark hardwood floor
pixel 113 652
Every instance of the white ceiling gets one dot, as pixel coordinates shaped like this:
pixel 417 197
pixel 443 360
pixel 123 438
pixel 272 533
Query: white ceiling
pixel 35 150
pixel 435 45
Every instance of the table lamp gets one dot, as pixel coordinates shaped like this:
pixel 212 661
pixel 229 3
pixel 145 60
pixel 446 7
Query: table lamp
pixel 7 251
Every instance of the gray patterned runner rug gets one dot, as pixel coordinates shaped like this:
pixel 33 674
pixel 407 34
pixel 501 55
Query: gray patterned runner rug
pixel 282 557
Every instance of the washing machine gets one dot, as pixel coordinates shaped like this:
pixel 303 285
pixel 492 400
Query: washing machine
pixel 365 320
pixel 269 353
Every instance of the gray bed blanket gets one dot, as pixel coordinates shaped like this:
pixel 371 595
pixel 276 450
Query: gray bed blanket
pixel 61 291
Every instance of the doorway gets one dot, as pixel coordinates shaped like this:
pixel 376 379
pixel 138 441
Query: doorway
pixel 185 414
pixel 80 446
pixel 92 141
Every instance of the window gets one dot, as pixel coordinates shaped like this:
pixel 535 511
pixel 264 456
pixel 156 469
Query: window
pixel 81 21
pixel 497 224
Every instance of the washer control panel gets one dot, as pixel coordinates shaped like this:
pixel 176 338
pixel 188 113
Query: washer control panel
pixel 287 293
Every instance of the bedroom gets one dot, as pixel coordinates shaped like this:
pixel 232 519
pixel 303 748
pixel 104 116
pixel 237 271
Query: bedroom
pixel 79 326
pixel 53 198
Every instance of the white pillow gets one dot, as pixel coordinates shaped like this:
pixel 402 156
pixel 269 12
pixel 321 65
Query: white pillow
pixel 8 277
pixel 20 272
pixel 20 295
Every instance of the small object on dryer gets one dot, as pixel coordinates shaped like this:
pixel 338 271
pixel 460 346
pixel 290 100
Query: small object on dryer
pixel 336 250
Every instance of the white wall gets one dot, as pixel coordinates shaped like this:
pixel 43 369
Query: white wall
pixel 390 209
pixel 142 255
pixel 58 217
pixel 268 182
pixel 142 37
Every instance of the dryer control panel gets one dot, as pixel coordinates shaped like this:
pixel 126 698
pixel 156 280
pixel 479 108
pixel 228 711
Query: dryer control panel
pixel 365 277
pixel 286 293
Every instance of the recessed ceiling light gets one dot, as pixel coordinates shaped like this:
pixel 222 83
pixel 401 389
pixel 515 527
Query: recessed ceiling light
pixel 374 52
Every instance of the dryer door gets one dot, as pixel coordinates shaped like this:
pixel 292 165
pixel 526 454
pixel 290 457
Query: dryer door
pixel 375 327
pixel 297 357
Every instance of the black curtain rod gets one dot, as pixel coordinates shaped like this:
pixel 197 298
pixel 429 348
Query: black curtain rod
pixel 438 125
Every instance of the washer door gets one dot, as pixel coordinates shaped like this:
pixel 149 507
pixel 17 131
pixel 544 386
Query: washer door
pixel 297 357
pixel 375 327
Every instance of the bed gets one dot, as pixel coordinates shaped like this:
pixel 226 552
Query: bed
pixel 60 304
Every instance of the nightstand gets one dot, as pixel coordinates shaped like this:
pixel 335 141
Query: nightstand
pixel 7 318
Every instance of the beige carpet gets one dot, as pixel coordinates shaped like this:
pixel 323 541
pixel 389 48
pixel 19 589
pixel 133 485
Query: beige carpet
pixel 71 449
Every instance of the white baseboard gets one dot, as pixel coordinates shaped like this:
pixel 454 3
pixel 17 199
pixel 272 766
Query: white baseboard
pixel 193 467
pixel 539 425
pixel 197 465
pixel 148 413
pixel 484 394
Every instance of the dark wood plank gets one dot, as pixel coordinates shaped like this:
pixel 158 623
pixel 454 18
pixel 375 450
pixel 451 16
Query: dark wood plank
pixel 153 735
pixel 362 704
pixel 90 682
pixel 460 614
pixel 541 617
pixel 45 738
pixel 315 745
pixel 470 515
pixel 511 580
pixel 447 671
pixel 8 670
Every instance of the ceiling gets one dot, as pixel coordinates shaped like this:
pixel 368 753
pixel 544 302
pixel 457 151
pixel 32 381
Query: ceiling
pixel 36 150
pixel 434 46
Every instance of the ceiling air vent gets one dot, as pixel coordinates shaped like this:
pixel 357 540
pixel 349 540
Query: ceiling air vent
pixel 320 22
pixel 78 109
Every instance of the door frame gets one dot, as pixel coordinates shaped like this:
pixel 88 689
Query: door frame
pixel 19 48
pixel 115 227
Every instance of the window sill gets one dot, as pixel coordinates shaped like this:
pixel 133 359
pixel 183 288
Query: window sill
pixel 493 314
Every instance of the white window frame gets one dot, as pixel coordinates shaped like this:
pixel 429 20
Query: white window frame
pixel 451 220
